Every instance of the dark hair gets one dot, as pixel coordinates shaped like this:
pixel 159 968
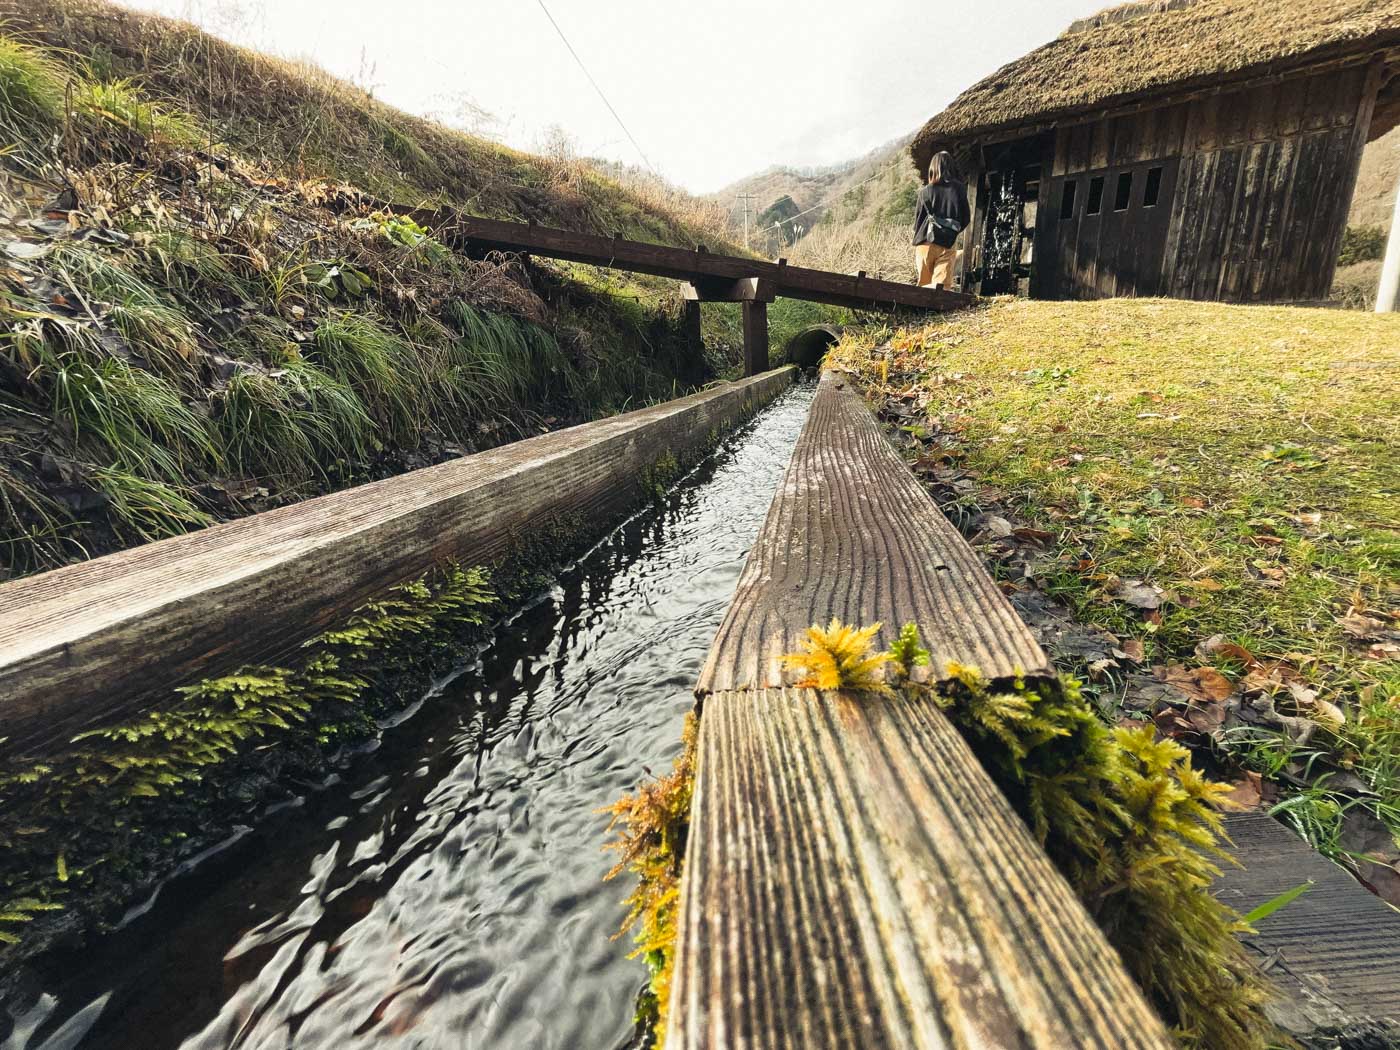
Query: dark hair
pixel 942 168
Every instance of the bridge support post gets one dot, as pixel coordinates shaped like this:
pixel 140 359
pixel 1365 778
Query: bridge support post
pixel 690 322
pixel 755 337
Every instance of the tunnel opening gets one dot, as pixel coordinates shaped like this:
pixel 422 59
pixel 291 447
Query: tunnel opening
pixel 807 348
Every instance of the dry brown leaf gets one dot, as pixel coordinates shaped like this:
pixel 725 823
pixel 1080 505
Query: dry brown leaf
pixel 1246 793
pixel 1132 649
pixel 1204 683
pixel 1360 626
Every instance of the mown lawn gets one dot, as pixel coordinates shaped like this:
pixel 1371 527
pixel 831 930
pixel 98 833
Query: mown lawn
pixel 1217 486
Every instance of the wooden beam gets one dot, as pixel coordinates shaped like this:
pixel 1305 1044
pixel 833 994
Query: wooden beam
pixel 857 536
pixel 746 289
pixel 104 639
pixel 755 337
pixel 853 877
pixel 794 282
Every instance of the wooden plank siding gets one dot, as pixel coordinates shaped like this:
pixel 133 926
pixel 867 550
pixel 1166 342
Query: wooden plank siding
pixel 853 878
pixel 1256 188
pixel 106 638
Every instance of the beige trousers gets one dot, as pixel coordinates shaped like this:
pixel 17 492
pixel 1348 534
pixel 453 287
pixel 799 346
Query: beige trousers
pixel 935 265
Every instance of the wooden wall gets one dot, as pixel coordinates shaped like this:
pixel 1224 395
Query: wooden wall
pixel 1254 191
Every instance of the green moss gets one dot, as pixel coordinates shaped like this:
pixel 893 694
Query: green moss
pixel 98 810
pixel 652 826
pixel 1134 828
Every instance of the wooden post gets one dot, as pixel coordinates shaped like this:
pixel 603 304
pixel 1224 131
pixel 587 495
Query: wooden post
pixel 694 338
pixel 1388 294
pixel 755 337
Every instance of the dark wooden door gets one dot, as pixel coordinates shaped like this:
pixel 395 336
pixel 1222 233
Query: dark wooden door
pixel 1104 232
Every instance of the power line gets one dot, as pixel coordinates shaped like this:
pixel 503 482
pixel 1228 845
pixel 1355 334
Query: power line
pixel 596 88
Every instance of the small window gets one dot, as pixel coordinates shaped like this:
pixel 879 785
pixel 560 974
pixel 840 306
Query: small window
pixel 1124 193
pixel 1067 200
pixel 1154 188
pixel 1095 204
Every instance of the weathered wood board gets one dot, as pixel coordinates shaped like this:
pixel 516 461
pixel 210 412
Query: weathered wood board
pixel 855 880
pixel 85 643
pixel 853 534
pixel 1337 939
pixel 697 267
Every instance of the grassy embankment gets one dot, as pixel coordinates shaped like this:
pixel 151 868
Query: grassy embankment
pixel 213 320
pixel 1214 486
pixel 202 315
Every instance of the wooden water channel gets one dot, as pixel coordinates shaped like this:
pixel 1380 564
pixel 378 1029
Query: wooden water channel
pixel 854 878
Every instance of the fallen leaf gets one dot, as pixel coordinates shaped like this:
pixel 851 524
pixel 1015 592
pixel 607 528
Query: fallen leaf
pixel 1246 793
pixel 1138 594
pixel 1360 626
pixel 1038 535
pixel 1207 584
pixel 1193 503
pixel 1132 649
pixel 1206 716
pixel 1267 541
pixel 1383 651
pixel 997 526
pixel 1204 683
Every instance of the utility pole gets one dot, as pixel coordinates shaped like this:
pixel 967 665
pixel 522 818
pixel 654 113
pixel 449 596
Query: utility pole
pixel 1388 294
pixel 746 197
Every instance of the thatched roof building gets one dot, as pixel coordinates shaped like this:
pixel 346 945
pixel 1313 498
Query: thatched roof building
pixel 1174 78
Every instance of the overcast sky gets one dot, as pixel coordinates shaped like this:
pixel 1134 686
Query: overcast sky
pixel 713 90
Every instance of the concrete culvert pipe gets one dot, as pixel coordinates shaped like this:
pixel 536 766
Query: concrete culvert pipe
pixel 808 346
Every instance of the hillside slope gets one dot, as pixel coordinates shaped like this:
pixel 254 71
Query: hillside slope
pixel 206 309
pixel 295 120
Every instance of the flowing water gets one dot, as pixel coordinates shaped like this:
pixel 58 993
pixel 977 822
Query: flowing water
pixel 447 890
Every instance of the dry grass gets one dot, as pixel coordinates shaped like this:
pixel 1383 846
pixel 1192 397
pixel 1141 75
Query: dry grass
pixel 1242 460
pixel 295 119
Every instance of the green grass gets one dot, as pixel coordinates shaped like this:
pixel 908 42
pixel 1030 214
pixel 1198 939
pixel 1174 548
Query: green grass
pixel 360 352
pixel 1245 460
pixel 31 102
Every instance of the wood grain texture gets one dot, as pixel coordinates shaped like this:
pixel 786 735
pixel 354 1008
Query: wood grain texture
pixel 86 643
pixel 1338 939
pixel 855 880
pixel 852 534
pixel 698 266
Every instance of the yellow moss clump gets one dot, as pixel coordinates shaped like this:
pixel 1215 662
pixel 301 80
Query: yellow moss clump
pixel 651 830
pixel 839 657
pixel 1134 829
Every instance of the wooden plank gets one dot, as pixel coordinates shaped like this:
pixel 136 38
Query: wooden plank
pixel 1215 215
pixel 795 282
pixel 1337 939
pixel 855 881
pixel 755 337
pixel 97 640
pixel 1277 189
pixel 1240 236
pixel 852 534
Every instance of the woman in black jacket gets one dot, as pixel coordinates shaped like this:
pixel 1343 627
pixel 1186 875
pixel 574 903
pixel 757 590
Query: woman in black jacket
pixel 940 215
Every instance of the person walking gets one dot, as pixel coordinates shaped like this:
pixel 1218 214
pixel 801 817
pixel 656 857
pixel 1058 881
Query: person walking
pixel 940 214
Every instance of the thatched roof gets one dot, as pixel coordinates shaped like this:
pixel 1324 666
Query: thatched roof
pixel 1138 50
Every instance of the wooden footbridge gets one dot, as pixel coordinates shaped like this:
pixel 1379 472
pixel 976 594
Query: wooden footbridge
pixel 854 879
pixel 707 276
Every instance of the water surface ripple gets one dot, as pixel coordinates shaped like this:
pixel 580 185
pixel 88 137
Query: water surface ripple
pixel 448 891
